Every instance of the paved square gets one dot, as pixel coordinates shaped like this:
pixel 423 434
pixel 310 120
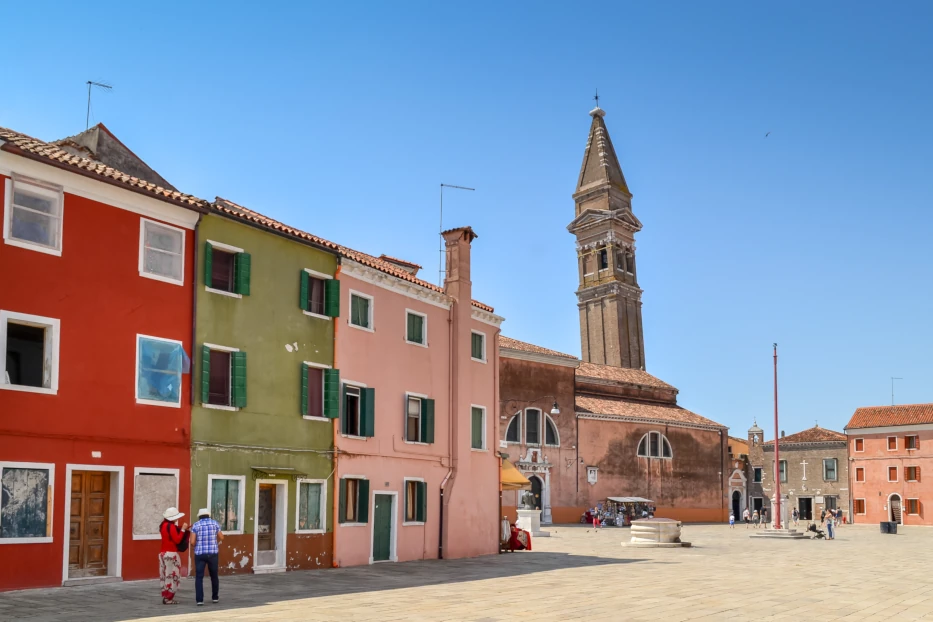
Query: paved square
pixel 577 575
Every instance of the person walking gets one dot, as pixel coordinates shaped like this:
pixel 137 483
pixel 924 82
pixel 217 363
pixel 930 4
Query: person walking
pixel 174 540
pixel 205 538
pixel 732 520
pixel 796 517
pixel 830 531
pixel 756 518
pixel 746 516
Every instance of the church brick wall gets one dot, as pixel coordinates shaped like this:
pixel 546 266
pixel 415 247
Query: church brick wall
pixel 814 487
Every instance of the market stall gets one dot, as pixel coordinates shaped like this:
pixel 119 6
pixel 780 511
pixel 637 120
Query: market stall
pixel 621 511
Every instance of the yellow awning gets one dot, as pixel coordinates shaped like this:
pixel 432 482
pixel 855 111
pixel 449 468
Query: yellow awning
pixel 511 478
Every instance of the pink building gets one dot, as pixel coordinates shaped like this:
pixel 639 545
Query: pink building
pixel 417 472
pixel 889 448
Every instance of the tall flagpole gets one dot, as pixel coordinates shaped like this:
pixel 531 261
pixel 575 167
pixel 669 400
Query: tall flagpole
pixel 777 452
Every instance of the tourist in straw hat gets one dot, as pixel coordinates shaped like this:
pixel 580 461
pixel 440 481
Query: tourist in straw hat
pixel 174 540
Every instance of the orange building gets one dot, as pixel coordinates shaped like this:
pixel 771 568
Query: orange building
pixel 889 447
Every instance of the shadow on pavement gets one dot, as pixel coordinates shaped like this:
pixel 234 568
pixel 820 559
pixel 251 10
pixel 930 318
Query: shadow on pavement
pixel 141 599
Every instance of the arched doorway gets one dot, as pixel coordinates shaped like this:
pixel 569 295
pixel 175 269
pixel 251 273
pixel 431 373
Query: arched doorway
pixel 737 504
pixel 894 508
pixel 536 487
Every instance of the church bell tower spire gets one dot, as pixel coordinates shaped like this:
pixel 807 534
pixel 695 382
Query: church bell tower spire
pixel 608 297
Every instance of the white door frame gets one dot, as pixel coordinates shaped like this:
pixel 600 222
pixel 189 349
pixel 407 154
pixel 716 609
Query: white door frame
pixel 393 534
pixel 900 499
pixel 281 525
pixel 114 520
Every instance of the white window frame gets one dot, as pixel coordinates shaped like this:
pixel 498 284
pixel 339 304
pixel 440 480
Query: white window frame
pixel 214 346
pixel 916 436
pixel 485 357
pixel 835 470
pixel 409 394
pixel 888 441
pixel 31 320
pixel 411 523
pixel 862 469
pixel 855 448
pixel 50 510
pixel 547 418
pixel 864 507
pixel 897 473
pixel 318 275
pixel 424 328
pixel 661 440
pixel 784 479
pixel 761 475
pixel 140 336
pixel 227 249
pixel 44 189
pixel 372 304
pixel 309 417
pixel 359 413
pixel 520 429
pixel 241 499
pixel 348 524
pixel 911 466
pixel 154 471
pixel 323 483
pixel 485 446
pixel 143 222
pixel 524 427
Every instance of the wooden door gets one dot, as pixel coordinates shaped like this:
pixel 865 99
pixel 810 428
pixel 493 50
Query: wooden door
pixel 90 524
pixel 382 528
pixel 266 523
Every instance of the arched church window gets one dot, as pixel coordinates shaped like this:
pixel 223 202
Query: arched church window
pixel 513 432
pixel 533 426
pixel 550 433
pixel 654 445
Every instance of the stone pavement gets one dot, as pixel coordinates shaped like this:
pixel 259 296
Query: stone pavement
pixel 578 574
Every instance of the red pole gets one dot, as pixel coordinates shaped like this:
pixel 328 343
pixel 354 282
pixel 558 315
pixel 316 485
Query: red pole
pixel 777 452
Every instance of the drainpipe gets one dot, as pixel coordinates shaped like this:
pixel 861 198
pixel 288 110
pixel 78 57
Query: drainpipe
pixel 336 432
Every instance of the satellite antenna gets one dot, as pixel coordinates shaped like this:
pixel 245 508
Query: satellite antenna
pixel 91 83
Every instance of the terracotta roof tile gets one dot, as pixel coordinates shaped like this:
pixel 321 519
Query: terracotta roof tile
pixel 621 374
pixel 515 344
pixel 229 208
pixel 667 413
pixel 385 257
pixel 54 154
pixel 815 434
pixel 901 414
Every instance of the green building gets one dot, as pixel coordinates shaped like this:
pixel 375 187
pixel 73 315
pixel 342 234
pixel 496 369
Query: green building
pixel 265 391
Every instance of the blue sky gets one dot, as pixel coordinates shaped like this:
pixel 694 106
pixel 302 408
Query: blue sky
pixel 343 119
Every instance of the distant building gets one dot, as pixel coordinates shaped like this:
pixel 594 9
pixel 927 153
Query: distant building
pixel 889 446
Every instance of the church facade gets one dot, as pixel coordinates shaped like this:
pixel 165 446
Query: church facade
pixel 584 430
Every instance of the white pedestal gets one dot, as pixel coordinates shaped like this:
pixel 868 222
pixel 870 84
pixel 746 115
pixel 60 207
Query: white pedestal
pixel 785 510
pixel 530 521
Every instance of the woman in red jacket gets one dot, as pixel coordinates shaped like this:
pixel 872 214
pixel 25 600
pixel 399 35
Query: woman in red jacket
pixel 174 539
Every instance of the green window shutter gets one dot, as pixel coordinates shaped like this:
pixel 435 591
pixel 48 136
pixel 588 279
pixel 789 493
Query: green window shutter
pixel 421 503
pixel 304 389
pixel 239 379
pixel 332 298
pixel 477 428
pixel 303 292
pixel 368 412
pixel 208 263
pixel 427 421
pixel 342 508
pixel 331 393
pixel 242 270
pixel 363 501
pixel 205 373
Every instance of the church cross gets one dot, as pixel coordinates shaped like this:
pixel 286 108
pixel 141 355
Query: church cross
pixel 596 97
pixel 804 465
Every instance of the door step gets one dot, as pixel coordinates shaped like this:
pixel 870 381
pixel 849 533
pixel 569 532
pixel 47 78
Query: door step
pixel 90 581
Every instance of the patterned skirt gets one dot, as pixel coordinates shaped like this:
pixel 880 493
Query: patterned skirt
pixel 169 573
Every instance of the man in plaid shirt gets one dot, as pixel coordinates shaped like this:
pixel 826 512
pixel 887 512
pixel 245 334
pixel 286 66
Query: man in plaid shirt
pixel 205 538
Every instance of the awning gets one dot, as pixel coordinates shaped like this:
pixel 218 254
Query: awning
pixel 273 471
pixel 511 478
pixel 629 500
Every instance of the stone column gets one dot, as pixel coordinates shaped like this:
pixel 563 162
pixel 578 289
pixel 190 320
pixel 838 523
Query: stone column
pixel 546 499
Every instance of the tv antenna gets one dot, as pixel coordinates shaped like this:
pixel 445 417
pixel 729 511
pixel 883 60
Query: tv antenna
pixel 440 231
pixel 91 83
pixel 892 388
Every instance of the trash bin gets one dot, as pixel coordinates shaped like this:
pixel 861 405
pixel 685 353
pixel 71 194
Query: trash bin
pixel 885 527
pixel 892 527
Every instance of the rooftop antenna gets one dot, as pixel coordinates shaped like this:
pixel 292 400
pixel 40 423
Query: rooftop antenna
pixel 90 83
pixel 440 231
pixel 892 388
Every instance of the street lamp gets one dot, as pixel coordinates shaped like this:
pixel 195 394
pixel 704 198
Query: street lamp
pixel 555 410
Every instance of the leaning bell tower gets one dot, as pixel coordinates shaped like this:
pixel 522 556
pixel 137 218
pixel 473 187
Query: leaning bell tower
pixel 608 297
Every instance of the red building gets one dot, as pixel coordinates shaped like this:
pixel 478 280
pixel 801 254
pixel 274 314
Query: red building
pixel 889 449
pixel 95 320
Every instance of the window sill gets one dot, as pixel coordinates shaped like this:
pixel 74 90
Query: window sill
pixel 354 524
pixel 28 389
pixel 44 540
pixel 222 292
pixel 412 524
pixel 220 407
pixel 157 403
pixel 318 316
pixel 483 361
pixel 354 437
pixel 164 279
pixel 415 343
pixel 33 247
pixel 238 532
pixel 310 418
pixel 309 532
pixel 478 450
pixel 149 537
pixel 363 328
pixel 408 442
